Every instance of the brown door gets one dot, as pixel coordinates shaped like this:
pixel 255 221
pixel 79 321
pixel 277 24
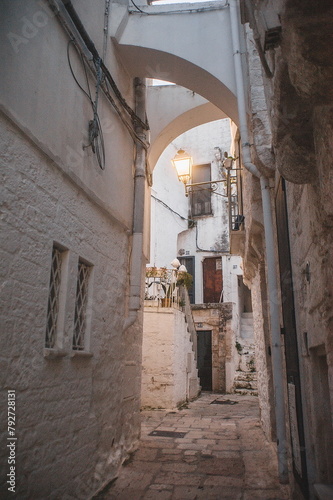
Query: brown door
pixel 212 280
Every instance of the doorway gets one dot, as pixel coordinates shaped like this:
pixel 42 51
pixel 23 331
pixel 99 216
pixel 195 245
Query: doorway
pixel 205 367
pixel 189 263
pixel 212 280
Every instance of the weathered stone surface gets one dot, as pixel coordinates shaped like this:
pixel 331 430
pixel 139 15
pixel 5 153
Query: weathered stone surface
pixel 218 319
pixel 168 361
pixel 252 468
pixel 67 409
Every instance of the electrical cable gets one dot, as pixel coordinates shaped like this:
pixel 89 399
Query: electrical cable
pixel 100 149
pixel 202 249
pixel 91 47
pixel 132 132
pixel 88 94
pixel 105 29
pixel 96 140
pixel 142 11
pixel 123 102
pixel 169 208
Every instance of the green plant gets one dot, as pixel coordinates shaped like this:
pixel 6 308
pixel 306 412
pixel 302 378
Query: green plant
pixel 239 347
pixel 184 279
pixel 251 365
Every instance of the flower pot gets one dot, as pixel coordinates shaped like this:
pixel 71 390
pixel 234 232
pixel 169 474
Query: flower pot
pixel 166 302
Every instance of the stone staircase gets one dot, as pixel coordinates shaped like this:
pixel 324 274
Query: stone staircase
pixel 245 381
pixel 246 326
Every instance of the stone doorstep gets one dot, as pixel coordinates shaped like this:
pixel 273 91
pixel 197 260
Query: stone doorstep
pixel 247 315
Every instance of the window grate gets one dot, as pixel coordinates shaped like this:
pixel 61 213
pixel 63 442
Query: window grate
pixel 81 307
pixel 53 302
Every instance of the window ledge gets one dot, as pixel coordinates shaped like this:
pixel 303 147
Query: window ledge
pixel 81 354
pixel 54 353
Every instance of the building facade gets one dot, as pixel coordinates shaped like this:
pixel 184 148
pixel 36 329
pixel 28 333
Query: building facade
pixel 76 219
pixel 67 226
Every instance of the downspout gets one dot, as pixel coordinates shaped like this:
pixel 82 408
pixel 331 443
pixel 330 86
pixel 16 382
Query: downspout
pixel 277 358
pixel 136 260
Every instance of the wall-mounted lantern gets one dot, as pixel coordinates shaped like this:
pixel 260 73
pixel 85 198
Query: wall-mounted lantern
pixel 183 164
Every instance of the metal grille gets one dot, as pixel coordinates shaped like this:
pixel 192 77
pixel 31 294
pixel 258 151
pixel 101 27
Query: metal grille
pixel 171 434
pixel 223 402
pixel 53 302
pixel 81 307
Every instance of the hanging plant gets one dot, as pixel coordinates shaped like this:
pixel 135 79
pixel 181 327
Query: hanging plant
pixel 184 279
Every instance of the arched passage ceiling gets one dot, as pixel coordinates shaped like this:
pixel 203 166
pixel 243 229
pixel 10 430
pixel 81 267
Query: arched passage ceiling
pixel 165 47
pixel 171 111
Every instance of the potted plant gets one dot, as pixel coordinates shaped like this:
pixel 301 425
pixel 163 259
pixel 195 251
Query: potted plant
pixel 184 279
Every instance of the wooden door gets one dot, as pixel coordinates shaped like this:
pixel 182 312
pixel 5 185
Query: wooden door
pixel 212 280
pixel 205 370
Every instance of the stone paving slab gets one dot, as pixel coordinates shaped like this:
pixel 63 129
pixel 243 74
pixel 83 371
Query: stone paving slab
pixel 223 456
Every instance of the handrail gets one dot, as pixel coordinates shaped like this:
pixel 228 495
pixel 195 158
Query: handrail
pixel 189 319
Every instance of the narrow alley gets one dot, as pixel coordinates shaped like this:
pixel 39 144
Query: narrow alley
pixel 214 448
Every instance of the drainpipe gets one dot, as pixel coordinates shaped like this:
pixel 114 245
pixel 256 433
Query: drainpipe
pixel 136 261
pixel 277 358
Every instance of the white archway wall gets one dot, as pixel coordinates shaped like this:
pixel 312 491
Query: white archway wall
pixel 172 110
pixel 163 46
pixel 165 225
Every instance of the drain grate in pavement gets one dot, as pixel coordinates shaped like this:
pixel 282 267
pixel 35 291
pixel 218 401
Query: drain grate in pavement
pixel 168 434
pixel 225 402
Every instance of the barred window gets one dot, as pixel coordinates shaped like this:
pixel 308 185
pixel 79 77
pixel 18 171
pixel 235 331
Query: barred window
pixel 80 317
pixel 201 195
pixel 54 298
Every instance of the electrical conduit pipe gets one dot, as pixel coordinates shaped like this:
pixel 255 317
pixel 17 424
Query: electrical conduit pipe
pixel 277 358
pixel 136 260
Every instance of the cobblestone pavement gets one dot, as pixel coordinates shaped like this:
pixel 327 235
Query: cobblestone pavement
pixel 223 455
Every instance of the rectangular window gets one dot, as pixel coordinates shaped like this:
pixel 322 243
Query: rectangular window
pixel 81 303
pixel 54 298
pixel 201 195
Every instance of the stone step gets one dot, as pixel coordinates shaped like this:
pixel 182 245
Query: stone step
pixel 246 376
pixel 248 349
pixel 246 392
pixel 247 315
pixel 246 334
pixel 246 322
pixel 251 385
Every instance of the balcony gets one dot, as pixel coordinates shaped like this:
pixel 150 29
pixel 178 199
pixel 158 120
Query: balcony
pixel 169 375
pixel 163 287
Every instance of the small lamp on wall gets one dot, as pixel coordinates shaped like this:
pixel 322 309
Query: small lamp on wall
pixel 183 165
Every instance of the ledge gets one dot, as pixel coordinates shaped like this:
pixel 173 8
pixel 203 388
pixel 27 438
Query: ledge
pixel 237 241
pixel 81 354
pixel 54 353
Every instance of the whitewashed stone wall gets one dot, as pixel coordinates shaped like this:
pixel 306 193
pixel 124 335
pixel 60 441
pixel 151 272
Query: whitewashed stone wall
pixel 77 416
pixel 68 408
pixel 262 352
pixel 169 374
